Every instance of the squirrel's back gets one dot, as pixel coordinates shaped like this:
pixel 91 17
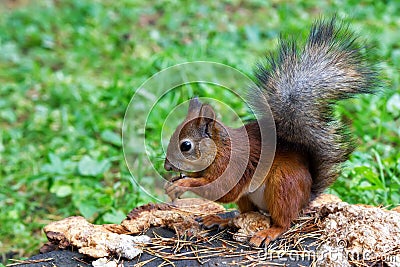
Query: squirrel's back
pixel 301 86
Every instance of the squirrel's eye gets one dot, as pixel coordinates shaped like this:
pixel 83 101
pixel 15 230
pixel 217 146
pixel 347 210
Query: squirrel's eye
pixel 186 146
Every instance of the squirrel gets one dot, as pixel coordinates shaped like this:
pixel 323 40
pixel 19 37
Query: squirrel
pixel 301 87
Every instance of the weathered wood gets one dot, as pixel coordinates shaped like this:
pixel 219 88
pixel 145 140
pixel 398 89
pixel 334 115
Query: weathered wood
pixel 326 234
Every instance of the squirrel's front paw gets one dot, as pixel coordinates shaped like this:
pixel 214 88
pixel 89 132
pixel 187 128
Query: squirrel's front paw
pixel 213 220
pixel 174 190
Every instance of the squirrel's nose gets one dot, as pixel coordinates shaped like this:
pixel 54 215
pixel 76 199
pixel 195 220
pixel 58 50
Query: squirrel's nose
pixel 167 165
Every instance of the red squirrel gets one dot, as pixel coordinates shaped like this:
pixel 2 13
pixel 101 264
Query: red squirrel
pixel 300 86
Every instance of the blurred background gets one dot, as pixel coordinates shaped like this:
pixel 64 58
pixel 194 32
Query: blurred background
pixel 68 69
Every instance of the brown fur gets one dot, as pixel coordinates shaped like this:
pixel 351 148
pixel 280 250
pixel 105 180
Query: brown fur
pixel 287 191
pixel 289 186
pixel 300 86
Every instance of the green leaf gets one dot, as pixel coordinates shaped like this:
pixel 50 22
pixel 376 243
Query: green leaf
pixel 393 105
pixel 395 198
pixel 87 209
pixel 88 166
pixel 116 216
pixel 61 190
pixel 8 115
pixel 56 165
pixel 252 33
pixel 111 137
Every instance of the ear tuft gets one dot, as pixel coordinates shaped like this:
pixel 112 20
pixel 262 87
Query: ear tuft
pixel 194 106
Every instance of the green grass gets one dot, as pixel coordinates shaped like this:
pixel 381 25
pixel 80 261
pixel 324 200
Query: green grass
pixel 69 68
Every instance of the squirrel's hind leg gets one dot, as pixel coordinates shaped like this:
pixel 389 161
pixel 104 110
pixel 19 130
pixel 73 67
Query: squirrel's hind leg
pixel 288 189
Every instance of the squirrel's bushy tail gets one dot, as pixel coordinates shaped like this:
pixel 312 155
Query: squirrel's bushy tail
pixel 301 86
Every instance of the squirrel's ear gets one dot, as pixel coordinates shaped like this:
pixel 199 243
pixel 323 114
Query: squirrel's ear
pixel 207 119
pixel 207 112
pixel 194 105
pixel 194 108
